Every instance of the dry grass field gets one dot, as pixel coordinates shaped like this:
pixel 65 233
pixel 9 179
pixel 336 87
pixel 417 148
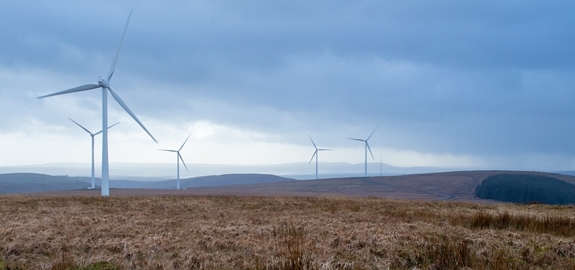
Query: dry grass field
pixel 246 232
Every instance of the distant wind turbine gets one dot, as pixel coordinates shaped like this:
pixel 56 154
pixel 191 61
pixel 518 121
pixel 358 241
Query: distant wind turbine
pixel 366 147
pixel 178 158
pixel 92 135
pixel 104 84
pixel 316 155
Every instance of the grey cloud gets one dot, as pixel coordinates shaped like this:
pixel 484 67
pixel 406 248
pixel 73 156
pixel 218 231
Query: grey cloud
pixel 484 78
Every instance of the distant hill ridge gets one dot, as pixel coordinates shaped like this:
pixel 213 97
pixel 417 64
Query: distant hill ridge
pixel 33 182
pixel 202 181
pixel 456 185
pixel 153 171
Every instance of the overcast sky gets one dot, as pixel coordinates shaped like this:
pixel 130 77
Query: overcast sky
pixel 459 84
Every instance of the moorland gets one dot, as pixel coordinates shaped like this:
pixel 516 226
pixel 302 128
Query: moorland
pixel 278 232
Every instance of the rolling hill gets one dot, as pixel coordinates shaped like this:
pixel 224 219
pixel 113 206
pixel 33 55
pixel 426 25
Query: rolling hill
pixel 202 181
pixel 458 185
pixel 32 182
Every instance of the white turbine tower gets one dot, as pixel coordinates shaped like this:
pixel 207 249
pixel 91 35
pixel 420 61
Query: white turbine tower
pixel 92 135
pixel 178 158
pixel 366 148
pixel 104 84
pixel 316 155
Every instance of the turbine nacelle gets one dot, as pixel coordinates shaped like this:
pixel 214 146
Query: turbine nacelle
pixel 103 83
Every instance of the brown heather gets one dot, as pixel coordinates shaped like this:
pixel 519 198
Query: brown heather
pixel 227 232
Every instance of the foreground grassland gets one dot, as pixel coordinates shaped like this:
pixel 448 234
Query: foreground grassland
pixel 191 232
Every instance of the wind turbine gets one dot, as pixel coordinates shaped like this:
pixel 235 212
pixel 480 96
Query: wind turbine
pixel 316 155
pixel 92 135
pixel 104 84
pixel 178 158
pixel 366 147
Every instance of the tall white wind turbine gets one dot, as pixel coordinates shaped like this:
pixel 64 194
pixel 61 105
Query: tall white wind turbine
pixel 316 155
pixel 92 135
pixel 178 158
pixel 366 147
pixel 104 84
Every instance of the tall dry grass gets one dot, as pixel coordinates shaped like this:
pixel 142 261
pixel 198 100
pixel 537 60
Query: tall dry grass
pixel 226 232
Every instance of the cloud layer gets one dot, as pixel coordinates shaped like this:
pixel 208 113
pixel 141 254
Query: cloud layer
pixel 455 82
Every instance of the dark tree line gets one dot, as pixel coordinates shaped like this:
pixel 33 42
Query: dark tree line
pixel 523 188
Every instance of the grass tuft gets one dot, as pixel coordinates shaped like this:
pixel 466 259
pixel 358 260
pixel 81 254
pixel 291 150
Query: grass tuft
pixel 65 261
pixel 449 254
pixel 292 247
pixel 553 224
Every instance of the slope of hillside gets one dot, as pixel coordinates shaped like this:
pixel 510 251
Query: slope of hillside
pixel 32 182
pixel 459 185
pixel 232 179
pixel 202 181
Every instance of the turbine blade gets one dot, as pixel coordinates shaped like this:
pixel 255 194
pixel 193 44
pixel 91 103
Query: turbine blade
pixel 356 139
pixel 127 109
pixel 82 127
pixel 182 159
pixel 113 125
pixel 371 133
pixel 325 149
pixel 369 150
pixel 168 150
pixel 314 153
pixel 184 142
pixel 72 90
pixel 312 142
pixel 108 128
pixel 113 67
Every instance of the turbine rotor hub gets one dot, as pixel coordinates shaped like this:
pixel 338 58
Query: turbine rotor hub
pixel 103 83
